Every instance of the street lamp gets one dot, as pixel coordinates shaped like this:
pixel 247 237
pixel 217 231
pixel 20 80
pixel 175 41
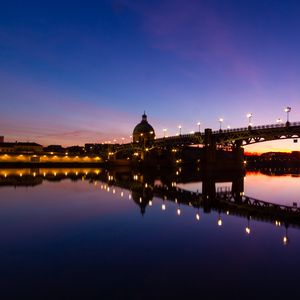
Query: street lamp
pixel 287 110
pixel 199 123
pixel 179 126
pixel 165 130
pixel 249 116
pixel 221 120
pixel 278 121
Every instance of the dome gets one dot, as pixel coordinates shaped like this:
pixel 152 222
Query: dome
pixel 143 127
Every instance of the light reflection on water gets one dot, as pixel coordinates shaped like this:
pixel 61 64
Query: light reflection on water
pixel 92 230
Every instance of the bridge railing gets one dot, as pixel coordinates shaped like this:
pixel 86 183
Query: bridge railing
pixel 291 124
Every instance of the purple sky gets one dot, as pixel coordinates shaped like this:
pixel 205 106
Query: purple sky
pixel 71 74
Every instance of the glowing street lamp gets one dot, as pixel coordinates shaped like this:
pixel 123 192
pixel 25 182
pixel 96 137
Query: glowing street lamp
pixel 165 130
pixel 179 126
pixel 199 123
pixel 221 120
pixel 287 110
pixel 249 116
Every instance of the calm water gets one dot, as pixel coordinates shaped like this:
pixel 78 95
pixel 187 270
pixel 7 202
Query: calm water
pixel 93 234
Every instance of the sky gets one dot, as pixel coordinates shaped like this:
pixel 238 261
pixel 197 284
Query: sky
pixel 73 72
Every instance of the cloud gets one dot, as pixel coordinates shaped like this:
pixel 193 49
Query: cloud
pixel 41 113
pixel 195 30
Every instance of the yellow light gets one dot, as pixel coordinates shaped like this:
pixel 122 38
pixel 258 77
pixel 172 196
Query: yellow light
pixel 140 199
pixel 178 211
pixel 108 189
pixel 21 174
pixel 248 230
pixel 278 223
pixel 34 174
pixel 285 240
pixel 44 174
pixel 5 175
pixel 150 203
pixel 163 207
pixel 54 173
pixel 220 222
pixel 197 217
pixel 114 191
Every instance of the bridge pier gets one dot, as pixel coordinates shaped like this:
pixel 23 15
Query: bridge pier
pixel 238 153
pixel 209 148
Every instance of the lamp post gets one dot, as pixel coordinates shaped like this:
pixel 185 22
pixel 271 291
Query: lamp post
pixel 179 126
pixel 199 123
pixel 221 120
pixel 287 110
pixel 249 116
pixel 165 130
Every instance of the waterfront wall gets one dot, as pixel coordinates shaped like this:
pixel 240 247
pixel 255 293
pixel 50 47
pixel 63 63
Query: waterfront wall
pixel 48 159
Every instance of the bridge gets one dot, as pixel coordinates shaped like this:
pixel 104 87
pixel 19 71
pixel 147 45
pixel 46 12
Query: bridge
pixel 209 141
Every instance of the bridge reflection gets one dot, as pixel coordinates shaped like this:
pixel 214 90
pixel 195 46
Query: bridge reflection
pixel 143 188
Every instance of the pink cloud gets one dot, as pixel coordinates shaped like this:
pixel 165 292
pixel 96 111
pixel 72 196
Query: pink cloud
pixel 45 115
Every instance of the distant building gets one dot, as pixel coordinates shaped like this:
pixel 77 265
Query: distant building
pixel 20 147
pixel 54 149
pixel 77 150
pixel 1 139
pixel 95 148
pixel 143 132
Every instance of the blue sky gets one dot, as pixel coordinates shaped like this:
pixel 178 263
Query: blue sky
pixel 84 71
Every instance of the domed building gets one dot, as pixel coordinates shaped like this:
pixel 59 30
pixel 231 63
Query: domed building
pixel 143 132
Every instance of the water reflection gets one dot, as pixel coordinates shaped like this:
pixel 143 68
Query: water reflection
pixel 114 234
pixel 173 187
